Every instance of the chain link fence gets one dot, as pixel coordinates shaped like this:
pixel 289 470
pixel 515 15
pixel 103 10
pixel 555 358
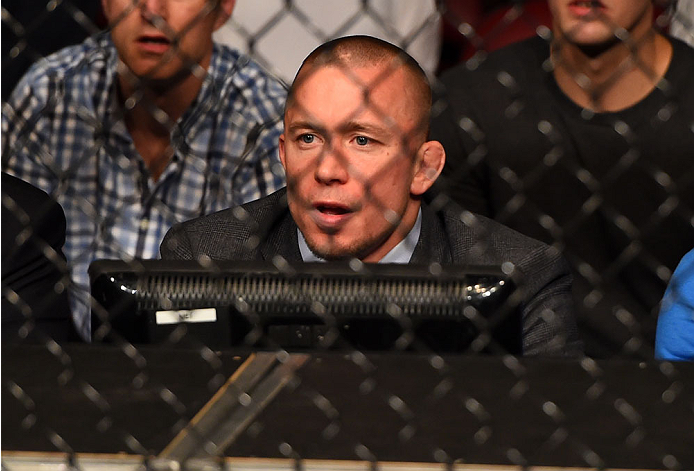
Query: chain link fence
pixel 373 368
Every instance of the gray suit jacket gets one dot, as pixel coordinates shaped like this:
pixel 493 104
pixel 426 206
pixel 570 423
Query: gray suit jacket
pixel 264 229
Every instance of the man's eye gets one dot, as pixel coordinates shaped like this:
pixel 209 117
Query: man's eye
pixel 362 140
pixel 307 138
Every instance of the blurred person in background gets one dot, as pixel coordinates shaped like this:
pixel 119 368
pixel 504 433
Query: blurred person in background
pixel 140 127
pixel 582 138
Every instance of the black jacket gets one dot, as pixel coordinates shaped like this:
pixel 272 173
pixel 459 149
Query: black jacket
pixel 34 265
pixel 264 229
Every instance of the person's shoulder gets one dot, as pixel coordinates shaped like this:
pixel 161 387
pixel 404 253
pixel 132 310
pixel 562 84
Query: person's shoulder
pixel 457 218
pixel 245 72
pixel 263 209
pixel 515 59
pixel 13 185
pixel 44 214
pixel 473 233
pixel 685 268
pixel 73 58
pixel 245 87
pixel 682 61
pixel 247 216
pixel 28 197
pixel 70 63
pixel 224 234
pixel 681 50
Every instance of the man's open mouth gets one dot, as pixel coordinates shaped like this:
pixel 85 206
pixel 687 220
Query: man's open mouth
pixel 332 209
pixel 587 4
pixel 160 40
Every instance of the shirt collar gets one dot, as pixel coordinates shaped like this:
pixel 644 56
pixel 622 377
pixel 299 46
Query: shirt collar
pixel 401 253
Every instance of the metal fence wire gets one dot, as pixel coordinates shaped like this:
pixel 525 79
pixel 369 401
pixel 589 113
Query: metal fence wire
pixel 604 178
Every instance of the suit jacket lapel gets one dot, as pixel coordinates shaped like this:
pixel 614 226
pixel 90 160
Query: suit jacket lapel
pixel 432 246
pixel 281 239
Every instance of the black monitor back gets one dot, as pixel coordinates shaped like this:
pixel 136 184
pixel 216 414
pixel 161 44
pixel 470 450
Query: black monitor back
pixel 306 306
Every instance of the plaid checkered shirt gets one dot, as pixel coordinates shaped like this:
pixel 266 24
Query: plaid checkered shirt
pixel 63 131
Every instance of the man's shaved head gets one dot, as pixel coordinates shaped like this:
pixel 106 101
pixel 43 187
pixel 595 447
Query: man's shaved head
pixel 355 148
pixel 354 52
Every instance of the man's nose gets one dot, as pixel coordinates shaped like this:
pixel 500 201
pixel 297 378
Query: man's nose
pixel 332 166
pixel 152 9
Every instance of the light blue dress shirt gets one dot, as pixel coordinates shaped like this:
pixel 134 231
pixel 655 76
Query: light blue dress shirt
pixel 401 253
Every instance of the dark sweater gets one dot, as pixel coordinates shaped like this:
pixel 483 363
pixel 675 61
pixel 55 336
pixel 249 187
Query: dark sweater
pixel 614 191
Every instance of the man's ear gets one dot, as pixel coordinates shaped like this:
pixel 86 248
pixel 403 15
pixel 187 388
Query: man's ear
pixel 281 150
pixel 224 13
pixel 430 160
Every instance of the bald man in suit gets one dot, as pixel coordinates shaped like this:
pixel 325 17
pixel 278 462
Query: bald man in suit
pixel 358 161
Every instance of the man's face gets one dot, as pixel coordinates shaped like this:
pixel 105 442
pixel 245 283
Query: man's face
pixel 349 173
pixel 145 33
pixel 593 23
